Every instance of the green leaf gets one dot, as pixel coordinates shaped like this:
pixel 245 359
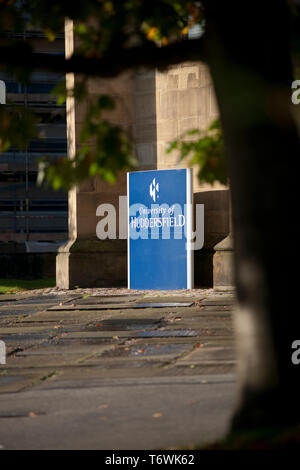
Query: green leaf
pixel 207 152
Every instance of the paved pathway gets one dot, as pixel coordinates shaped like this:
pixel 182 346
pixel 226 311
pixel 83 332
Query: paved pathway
pixel 116 369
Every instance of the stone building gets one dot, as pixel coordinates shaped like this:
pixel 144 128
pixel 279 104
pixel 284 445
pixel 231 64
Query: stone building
pixel 156 108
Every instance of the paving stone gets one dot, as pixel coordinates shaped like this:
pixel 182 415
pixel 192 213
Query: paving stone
pixel 170 299
pixel 162 304
pixel 209 355
pixel 87 373
pixel 117 299
pixel 46 300
pixel 117 324
pixel 38 300
pixel 99 341
pixel 91 343
pixel 183 322
pixel 8 379
pixel 63 316
pixel 213 308
pixel 40 372
pixel 17 346
pixel 118 306
pixel 218 302
pixel 87 307
pixel 22 362
pixel 117 334
pixel 8 297
pixel 21 414
pixel 193 312
pixel 169 333
pixel 48 349
pixel 27 338
pixel 158 313
pixel 15 311
pixel 23 330
pixel 190 342
pixel 26 379
pixel 142 349
pixel 127 362
pixel 200 369
pixel 167 379
pixel 200 316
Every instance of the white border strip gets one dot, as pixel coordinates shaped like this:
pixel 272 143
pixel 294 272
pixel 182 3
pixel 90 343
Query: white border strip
pixel 128 235
pixel 189 221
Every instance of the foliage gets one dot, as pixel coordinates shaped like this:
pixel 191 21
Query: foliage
pixel 18 126
pixel 207 151
pixel 12 286
pixel 103 27
pixel 104 148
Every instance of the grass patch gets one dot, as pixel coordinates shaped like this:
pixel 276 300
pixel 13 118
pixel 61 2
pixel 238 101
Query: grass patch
pixel 13 286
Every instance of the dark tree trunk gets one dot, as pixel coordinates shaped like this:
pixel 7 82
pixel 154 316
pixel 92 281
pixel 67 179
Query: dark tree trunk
pixel 248 53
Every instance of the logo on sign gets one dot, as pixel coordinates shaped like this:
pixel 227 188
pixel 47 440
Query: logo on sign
pixel 154 189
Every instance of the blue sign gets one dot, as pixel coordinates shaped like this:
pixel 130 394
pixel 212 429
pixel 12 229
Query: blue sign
pixel 159 229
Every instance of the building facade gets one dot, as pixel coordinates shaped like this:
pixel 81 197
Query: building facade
pixel 27 212
pixel 155 108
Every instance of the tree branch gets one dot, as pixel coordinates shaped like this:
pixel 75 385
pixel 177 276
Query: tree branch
pixel 149 55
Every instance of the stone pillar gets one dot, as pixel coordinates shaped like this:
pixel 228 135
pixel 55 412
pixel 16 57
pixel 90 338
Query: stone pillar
pixel 223 259
pixel 185 100
pixel 84 260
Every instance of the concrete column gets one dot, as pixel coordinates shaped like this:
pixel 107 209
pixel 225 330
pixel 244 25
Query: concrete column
pixel 84 260
pixel 185 100
pixel 223 259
